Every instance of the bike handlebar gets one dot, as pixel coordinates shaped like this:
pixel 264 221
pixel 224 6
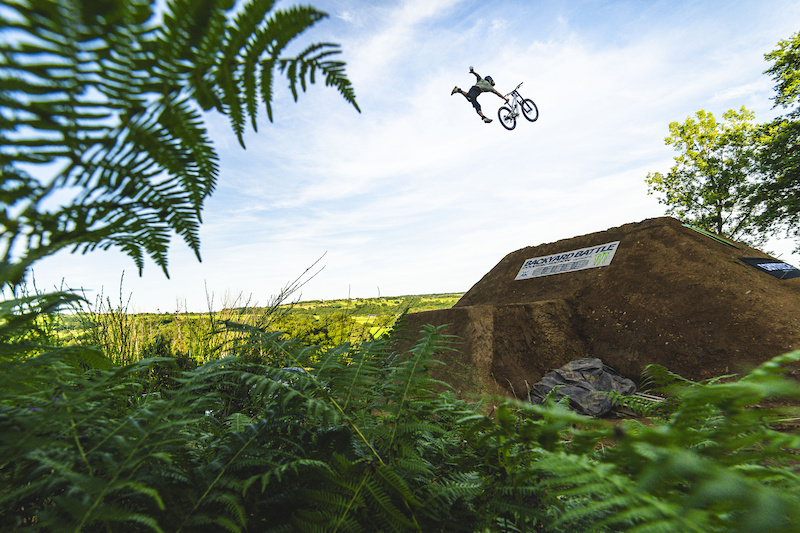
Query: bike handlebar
pixel 515 89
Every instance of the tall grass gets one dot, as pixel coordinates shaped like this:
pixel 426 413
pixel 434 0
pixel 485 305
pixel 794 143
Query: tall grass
pixel 125 336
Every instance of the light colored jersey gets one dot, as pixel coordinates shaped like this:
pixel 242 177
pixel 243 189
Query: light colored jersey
pixel 484 85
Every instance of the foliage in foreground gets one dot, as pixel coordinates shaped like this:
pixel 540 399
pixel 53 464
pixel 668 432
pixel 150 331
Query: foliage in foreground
pixel 365 440
pixel 103 141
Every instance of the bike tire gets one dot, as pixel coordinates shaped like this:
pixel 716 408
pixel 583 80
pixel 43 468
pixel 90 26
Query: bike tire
pixel 529 110
pixel 507 118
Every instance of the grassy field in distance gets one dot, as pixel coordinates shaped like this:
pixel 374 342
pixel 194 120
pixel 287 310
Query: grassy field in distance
pixel 384 305
pixel 130 336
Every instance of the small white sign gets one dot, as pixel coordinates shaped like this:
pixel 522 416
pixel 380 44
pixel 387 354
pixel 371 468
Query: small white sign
pixel 592 257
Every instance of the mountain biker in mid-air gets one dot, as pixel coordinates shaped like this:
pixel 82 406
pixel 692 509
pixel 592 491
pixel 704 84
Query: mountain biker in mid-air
pixel 482 85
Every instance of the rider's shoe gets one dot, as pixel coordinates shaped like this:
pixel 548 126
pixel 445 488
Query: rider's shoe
pixel 454 91
pixel 487 120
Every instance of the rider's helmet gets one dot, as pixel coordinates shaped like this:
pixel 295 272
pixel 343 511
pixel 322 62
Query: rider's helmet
pixel 490 80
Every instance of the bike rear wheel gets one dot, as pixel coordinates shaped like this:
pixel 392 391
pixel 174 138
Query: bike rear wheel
pixel 530 110
pixel 507 118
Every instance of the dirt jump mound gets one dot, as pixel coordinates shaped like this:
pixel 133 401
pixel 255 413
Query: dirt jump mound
pixel 656 291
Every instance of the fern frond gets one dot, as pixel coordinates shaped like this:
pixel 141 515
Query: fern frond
pixel 772 368
pixel 387 515
pixel 657 376
pixel 392 480
pixel 238 421
pixel 462 485
pixel 110 98
pixel 639 406
pixel 265 48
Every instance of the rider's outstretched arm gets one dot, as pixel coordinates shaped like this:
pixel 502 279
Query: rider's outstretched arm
pixel 478 76
pixel 500 95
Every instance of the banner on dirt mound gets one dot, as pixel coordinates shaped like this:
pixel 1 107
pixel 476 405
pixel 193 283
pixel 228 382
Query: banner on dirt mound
pixel 592 257
pixel 773 267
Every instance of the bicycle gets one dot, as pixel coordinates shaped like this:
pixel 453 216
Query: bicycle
pixel 508 115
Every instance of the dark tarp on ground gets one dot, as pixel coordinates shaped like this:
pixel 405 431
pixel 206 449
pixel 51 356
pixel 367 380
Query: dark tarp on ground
pixel 585 381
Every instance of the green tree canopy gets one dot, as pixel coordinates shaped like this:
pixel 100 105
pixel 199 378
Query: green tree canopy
pixel 780 187
pixel 102 139
pixel 326 331
pixel 712 184
pixel 785 71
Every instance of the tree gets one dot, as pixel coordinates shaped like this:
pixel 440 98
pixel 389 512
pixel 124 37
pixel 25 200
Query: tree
pixel 102 139
pixel 326 331
pixel 713 182
pixel 780 186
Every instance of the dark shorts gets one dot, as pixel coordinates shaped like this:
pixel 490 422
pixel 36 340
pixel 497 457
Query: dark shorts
pixel 472 96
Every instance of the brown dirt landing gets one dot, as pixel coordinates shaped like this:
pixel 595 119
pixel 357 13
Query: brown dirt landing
pixel 671 296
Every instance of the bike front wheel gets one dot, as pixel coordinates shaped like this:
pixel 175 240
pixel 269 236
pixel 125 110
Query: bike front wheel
pixel 530 110
pixel 507 118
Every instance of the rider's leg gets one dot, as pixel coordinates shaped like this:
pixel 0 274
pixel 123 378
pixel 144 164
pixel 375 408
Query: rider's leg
pixel 477 107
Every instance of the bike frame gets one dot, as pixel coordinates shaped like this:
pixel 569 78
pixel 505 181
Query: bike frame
pixel 515 99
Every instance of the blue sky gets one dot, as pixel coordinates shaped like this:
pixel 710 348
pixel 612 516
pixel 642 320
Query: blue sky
pixel 415 194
